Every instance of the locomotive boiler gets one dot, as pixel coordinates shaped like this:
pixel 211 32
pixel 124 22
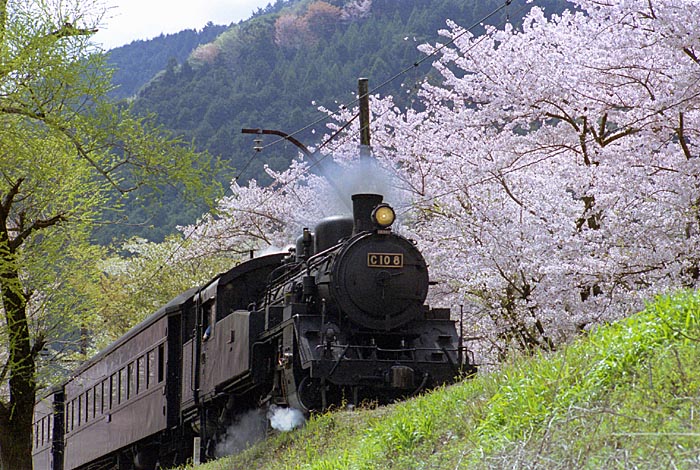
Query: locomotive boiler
pixel 339 319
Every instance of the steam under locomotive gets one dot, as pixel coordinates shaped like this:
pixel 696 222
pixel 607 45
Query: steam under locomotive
pixel 340 319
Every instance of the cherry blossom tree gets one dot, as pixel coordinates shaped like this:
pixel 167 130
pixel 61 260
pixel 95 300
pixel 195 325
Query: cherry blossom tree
pixel 555 167
pixel 551 177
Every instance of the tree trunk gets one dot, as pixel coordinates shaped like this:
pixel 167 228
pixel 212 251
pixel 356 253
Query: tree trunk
pixel 17 415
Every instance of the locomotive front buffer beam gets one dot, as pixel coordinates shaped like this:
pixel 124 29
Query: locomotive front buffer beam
pixel 390 365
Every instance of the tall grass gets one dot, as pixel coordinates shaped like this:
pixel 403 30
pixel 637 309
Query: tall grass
pixel 624 396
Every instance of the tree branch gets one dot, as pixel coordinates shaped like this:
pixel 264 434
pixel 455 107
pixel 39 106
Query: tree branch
pixel 681 137
pixel 3 20
pixel 22 112
pixel 689 52
pixel 39 116
pixel 9 198
pixel 605 141
pixel 3 377
pixel 38 346
pixel 37 225
pixel 68 30
pixel 65 31
pixel 582 141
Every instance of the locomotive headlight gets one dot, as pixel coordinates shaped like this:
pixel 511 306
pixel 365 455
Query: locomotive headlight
pixel 383 215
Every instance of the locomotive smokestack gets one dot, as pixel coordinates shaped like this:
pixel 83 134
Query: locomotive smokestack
pixel 362 207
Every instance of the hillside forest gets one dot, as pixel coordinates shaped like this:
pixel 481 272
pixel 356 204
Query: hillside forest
pixel 274 71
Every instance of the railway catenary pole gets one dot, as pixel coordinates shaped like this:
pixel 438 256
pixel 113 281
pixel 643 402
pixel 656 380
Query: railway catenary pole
pixel 363 92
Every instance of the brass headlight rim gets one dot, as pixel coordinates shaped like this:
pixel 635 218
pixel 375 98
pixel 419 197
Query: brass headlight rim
pixel 377 215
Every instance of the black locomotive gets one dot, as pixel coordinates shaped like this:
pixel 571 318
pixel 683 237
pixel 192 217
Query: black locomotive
pixel 340 319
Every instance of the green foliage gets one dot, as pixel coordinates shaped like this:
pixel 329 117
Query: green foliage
pixel 625 396
pixel 65 155
pixel 143 277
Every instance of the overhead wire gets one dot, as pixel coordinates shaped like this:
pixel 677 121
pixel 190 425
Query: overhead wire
pixel 348 105
pixel 402 72
pixel 393 78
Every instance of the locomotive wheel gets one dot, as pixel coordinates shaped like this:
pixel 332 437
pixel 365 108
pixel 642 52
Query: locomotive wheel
pixel 311 393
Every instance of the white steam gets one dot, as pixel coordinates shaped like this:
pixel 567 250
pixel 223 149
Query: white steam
pixel 364 176
pixel 285 419
pixel 248 429
pixel 251 428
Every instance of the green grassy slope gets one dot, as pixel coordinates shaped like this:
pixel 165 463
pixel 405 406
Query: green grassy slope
pixel 624 396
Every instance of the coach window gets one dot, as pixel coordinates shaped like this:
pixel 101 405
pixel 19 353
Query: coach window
pixel 141 374
pixel 96 406
pixel 122 385
pixel 161 362
pixel 114 385
pixel 131 384
pixel 72 414
pixel 79 409
pixel 206 323
pixel 150 368
pixel 104 396
pixel 67 426
pixel 89 405
pixel 113 391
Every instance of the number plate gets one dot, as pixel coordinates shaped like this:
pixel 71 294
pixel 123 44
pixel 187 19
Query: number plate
pixel 385 260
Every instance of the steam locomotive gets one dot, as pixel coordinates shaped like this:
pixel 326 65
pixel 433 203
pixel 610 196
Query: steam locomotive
pixel 339 319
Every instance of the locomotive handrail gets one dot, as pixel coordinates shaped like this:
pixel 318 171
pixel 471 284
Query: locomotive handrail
pixel 376 348
pixel 292 270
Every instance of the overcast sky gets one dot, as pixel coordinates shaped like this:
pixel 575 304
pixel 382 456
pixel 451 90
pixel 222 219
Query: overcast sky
pixel 129 20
